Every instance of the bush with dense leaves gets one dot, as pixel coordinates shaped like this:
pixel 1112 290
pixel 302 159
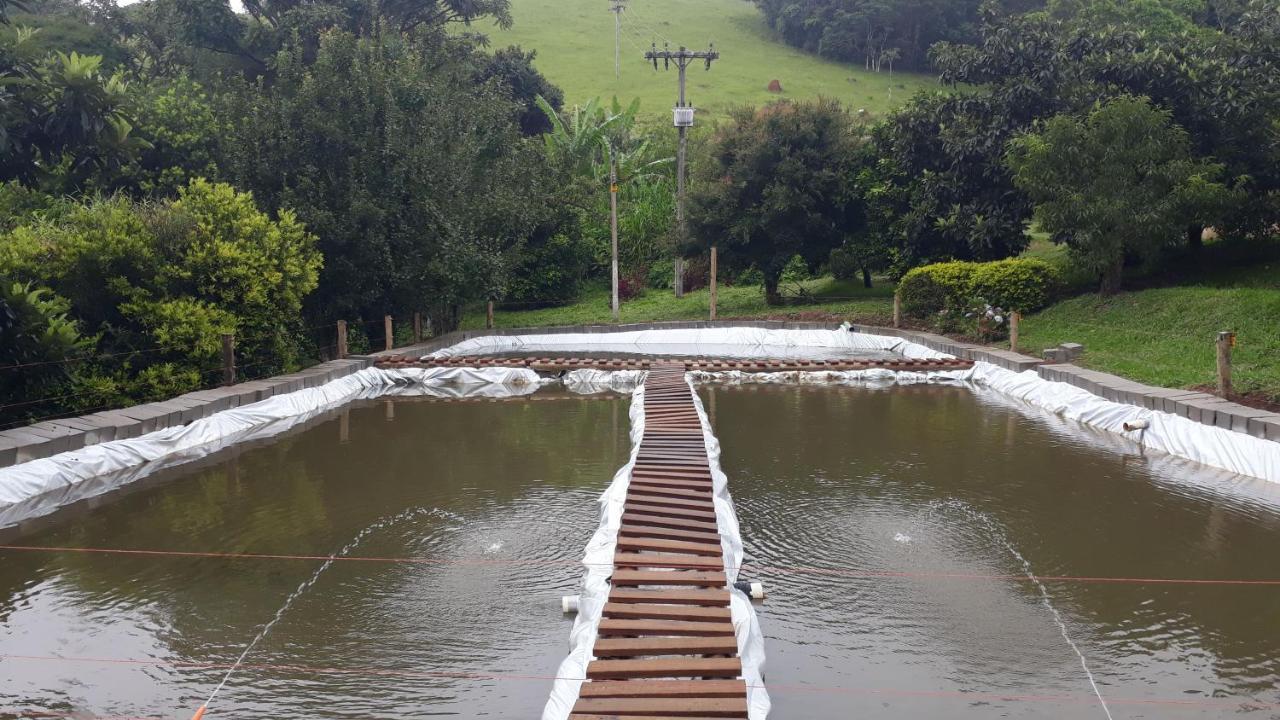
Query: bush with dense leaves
pixel 843 265
pixel 929 289
pixel 155 285
pixel 1022 284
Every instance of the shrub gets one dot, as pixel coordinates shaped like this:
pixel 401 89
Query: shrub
pixel 795 271
pixel 844 266
pixel 751 277
pixel 929 289
pixel 1021 284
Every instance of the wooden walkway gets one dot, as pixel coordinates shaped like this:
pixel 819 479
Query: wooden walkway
pixel 555 365
pixel 666 646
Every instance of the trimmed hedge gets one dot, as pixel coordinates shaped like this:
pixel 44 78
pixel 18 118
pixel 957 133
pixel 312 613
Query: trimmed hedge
pixel 1022 284
pixel 928 289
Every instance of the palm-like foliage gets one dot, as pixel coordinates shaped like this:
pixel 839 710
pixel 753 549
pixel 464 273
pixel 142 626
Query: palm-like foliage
pixel 594 135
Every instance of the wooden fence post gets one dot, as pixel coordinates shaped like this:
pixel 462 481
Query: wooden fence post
pixel 897 308
pixel 488 316
pixel 228 359
pixel 713 282
pixel 342 339
pixel 417 327
pixel 387 331
pixel 1015 319
pixel 1226 341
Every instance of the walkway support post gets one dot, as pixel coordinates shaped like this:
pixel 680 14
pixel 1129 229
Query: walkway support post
pixel 1015 319
pixel 342 339
pixel 417 327
pixel 488 316
pixel 713 282
pixel 897 308
pixel 387 332
pixel 1226 341
pixel 228 359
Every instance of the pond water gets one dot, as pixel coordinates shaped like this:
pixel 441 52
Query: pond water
pixel 897 531
pixel 465 483
pixel 934 485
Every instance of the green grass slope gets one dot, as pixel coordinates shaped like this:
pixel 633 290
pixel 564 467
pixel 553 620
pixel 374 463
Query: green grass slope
pixel 575 44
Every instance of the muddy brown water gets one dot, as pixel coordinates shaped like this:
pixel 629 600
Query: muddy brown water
pixel 897 531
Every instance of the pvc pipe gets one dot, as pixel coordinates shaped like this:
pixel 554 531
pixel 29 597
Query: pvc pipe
pixel 569 604
pixel 753 590
pixel 1142 424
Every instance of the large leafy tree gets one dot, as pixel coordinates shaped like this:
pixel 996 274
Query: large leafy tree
pixel 1121 182
pixel 416 180
pixel 781 184
pixel 62 119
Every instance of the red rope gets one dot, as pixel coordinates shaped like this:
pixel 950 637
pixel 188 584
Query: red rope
pixel 772 687
pixel 783 570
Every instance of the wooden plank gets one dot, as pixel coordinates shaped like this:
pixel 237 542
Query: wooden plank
pixel 673 667
pixel 626 627
pixel 675 523
pixel 682 596
pixel 666 560
pixel 663 688
pixel 629 543
pixel 649 611
pixel 672 511
pixel 639 528
pixel 698 578
pixel 664 646
pixel 689 707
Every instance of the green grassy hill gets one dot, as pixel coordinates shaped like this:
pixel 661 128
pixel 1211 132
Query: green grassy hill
pixel 575 44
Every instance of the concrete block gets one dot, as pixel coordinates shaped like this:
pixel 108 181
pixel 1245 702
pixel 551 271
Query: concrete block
pixel 1055 355
pixel 8 450
pixel 1257 425
pixel 64 438
pixel 118 424
pixel 1271 428
pixel 150 416
pixel 28 445
pixel 1205 410
pixel 1072 350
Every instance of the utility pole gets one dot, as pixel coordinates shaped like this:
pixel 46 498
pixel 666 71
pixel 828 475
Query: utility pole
pixel 616 8
pixel 682 58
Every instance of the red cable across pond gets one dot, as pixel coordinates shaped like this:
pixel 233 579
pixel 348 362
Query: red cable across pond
pixel 425 674
pixel 775 569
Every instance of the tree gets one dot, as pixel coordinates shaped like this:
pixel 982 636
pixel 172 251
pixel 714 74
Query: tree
pixel 61 119
pixel 513 68
pixel 416 180
pixel 781 185
pixel 1120 182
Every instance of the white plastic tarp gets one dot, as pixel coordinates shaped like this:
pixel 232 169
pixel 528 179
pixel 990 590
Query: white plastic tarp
pixel 702 342
pixel 62 478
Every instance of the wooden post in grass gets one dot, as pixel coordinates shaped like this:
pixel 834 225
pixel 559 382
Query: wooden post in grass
pixel 228 359
pixel 1015 319
pixel 488 316
pixel 342 339
pixel 1226 341
pixel 897 308
pixel 417 327
pixel 713 282
pixel 387 331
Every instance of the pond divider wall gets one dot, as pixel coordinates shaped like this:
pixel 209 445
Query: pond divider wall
pixel 51 437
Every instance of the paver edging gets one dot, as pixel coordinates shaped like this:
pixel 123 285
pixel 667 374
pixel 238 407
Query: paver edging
pixel 39 440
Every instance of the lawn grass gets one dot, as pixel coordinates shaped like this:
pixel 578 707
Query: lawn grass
pixel 845 299
pixel 575 44
pixel 1165 336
